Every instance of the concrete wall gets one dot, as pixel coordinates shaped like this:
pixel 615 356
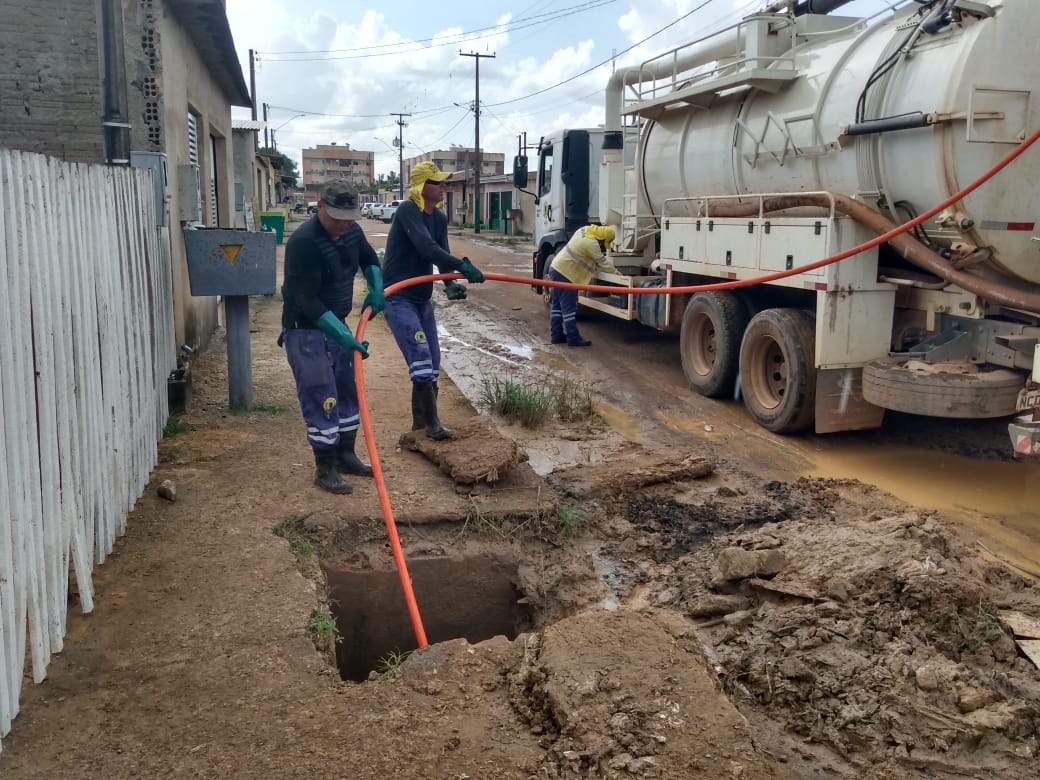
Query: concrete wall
pixel 186 85
pixel 50 80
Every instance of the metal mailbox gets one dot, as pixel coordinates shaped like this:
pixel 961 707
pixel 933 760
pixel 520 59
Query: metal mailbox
pixel 230 262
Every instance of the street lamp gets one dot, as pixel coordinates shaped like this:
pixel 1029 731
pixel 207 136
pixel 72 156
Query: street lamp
pixel 274 144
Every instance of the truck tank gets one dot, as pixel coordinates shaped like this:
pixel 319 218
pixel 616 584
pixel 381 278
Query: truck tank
pixel 933 122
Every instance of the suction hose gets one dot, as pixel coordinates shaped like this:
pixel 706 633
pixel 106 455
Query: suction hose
pixel 911 249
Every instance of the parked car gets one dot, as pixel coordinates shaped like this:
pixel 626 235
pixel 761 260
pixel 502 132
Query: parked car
pixel 366 210
pixel 389 209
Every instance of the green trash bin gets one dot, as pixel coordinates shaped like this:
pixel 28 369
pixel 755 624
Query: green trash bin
pixel 273 220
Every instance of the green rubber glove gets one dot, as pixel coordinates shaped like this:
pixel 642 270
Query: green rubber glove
pixel 471 272
pixel 333 327
pixel 454 290
pixel 375 298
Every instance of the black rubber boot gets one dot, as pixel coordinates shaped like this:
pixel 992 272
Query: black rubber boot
pixel 347 462
pixel 428 409
pixel 326 477
pixel 418 421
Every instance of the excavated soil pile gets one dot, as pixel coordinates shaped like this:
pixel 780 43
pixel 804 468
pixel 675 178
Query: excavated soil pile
pixel 868 643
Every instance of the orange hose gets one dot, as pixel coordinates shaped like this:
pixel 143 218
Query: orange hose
pixel 359 373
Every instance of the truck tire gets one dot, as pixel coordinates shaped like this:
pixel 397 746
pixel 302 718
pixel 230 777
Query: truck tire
pixel 954 390
pixel 778 370
pixel 709 342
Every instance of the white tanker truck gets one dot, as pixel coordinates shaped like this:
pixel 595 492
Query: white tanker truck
pixel 797 134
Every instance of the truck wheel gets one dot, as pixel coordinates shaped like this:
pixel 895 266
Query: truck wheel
pixel 778 371
pixel 709 342
pixel 954 390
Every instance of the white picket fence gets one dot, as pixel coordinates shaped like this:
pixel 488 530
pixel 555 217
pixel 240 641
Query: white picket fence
pixel 86 345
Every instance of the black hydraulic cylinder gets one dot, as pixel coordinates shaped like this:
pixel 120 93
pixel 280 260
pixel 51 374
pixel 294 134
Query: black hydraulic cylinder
pixel 889 124
pixel 818 6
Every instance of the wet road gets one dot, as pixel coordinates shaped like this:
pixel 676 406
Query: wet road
pixel 962 468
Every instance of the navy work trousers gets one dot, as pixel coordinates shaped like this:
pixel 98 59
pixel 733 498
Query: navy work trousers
pixel 415 331
pixel 563 314
pixel 324 373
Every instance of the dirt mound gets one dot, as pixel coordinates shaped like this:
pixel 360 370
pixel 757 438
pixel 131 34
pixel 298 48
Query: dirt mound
pixel 875 636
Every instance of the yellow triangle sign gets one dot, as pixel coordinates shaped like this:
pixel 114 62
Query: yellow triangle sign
pixel 232 251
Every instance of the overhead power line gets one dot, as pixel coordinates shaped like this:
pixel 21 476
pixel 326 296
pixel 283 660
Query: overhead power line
pixel 403 47
pixel 430 112
pixel 604 62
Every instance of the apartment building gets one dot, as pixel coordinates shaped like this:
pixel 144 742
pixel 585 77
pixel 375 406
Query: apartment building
pixel 459 158
pixel 331 162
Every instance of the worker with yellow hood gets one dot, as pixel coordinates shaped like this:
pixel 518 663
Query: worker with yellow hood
pixel 417 242
pixel 577 263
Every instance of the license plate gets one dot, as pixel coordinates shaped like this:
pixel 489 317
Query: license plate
pixel 1028 399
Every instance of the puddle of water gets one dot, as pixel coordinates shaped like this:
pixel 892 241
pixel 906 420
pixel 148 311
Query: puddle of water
pixel 997 499
pixel 626 424
pixel 553 361
pixel 520 350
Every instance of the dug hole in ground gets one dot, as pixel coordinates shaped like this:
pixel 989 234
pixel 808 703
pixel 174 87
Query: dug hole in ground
pixel 632 613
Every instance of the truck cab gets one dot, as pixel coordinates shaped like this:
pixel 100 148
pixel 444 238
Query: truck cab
pixel 568 191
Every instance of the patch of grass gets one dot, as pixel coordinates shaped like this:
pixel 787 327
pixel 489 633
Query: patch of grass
pixel 550 526
pixel 174 426
pixel 991 628
pixel 532 403
pixel 322 627
pixel 302 540
pixel 567 520
pixel 479 521
pixel 390 663
pixel 265 408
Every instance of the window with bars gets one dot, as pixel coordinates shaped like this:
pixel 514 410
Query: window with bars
pixel 194 121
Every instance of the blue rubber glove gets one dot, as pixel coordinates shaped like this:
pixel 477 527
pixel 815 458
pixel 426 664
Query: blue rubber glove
pixel 375 298
pixel 454 290
pixel 333 327
pixel 471 272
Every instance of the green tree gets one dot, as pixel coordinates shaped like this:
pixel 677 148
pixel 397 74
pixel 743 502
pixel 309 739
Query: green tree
pixel 386 181
pixel 288 163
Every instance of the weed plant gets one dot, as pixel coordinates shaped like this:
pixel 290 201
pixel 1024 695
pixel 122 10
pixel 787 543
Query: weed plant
pixel 302 541
pixel 174 426
pixel 390 663
pixel 533 403
pixel 322 626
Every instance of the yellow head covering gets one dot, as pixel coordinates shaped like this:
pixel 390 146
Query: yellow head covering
pixel 604 233
pixel 422 173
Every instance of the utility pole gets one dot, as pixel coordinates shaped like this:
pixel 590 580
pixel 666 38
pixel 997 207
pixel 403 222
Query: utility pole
pixel 401 125
pixel 267 143
pixel 252 81
pixel 476 142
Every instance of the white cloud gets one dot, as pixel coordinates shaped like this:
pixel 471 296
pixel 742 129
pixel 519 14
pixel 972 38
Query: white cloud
pixel 363 69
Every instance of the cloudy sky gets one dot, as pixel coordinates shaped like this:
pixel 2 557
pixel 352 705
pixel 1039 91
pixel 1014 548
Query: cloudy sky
pixel 335 71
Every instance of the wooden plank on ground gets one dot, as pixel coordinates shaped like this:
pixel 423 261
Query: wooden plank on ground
pixel 1031 648
pixel 1022 624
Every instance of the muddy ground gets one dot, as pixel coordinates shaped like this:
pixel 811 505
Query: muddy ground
pixel 652 591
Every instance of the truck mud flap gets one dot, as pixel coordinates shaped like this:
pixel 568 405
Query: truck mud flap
pixel 840 405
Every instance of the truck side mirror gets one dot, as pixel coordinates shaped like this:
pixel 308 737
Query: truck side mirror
pixel 520 171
